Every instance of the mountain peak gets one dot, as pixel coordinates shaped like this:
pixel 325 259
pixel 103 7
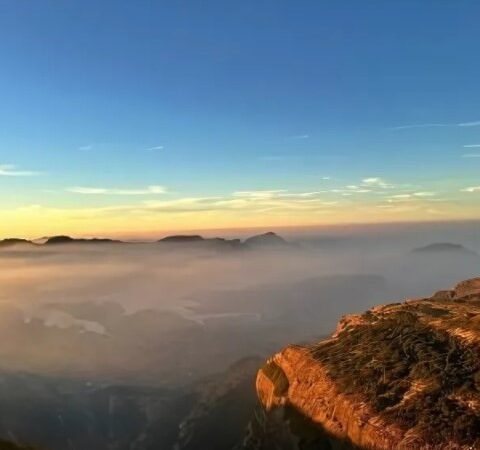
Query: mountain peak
pixel 266 239
pixel 59 240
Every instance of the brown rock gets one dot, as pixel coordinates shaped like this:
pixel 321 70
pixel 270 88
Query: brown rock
pixel 400 376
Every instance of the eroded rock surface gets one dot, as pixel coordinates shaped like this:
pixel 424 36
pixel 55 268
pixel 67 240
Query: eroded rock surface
pixel 400 376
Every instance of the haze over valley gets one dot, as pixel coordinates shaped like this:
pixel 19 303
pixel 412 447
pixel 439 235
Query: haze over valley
pixel 165 316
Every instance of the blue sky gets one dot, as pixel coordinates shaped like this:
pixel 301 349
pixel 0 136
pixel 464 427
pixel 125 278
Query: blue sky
pixel 209 100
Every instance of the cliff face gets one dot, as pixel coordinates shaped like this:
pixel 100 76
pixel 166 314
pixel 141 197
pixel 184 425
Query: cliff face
pixel 400 376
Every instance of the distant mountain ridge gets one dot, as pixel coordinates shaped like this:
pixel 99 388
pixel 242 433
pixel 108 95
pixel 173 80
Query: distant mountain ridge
pixel 9 242
pixel 199 241
pixel 69 240
pixel 443 247
pixel 266 240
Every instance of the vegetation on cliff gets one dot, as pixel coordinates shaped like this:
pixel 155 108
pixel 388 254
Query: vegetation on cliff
pixel 410 370
pixel 412 374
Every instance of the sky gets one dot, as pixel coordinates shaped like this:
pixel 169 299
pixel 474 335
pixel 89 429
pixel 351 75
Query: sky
pixel 136 117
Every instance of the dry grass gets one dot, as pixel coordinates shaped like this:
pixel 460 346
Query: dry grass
pixel 411 373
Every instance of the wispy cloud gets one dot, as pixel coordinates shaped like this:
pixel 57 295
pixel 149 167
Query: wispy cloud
pixel 422 125
pixel 300 136
pixel 472 146
pixel 356 189
pixel 156 147
pixel 149 190
pixel 248 201
pixel 401 196
pixel 471 155
pixel 475 123
pixel 376 182
pixel 85 148
pixel 411 196
pixel 424 194
pixel 471 189
pixel 234 207
pixel 259 194
pixel 9 170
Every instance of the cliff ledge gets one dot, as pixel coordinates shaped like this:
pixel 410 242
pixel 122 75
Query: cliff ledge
pixel 400 376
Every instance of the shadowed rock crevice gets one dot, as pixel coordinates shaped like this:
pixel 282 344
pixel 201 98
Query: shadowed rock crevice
pixel 285 428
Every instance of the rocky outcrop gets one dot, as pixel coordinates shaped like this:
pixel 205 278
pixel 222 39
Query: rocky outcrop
pixel 400 376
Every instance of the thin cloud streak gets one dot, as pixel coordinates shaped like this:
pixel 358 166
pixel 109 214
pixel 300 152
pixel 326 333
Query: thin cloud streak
pixel 149 190
pixel 475 123
pixel 377 182
pixel 259 194
pixel 424 194
pixel 422 125
pixel 10 170
pixel 300 136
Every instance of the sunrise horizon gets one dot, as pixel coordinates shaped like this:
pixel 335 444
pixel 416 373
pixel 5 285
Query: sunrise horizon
pixel 325 229
pixel 159 118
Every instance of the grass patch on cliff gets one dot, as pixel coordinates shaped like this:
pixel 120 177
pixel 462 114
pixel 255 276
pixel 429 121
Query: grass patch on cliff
pixel 410 374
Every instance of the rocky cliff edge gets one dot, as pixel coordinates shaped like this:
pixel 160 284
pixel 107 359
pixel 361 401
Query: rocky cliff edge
pixel 400 376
